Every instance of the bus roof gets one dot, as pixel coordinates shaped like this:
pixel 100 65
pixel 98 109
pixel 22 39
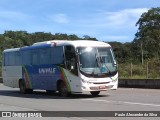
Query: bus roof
pixel 11 50
pixel 76 43
pixel 52 43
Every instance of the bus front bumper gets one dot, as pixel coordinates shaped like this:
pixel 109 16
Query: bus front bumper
pixel 99 87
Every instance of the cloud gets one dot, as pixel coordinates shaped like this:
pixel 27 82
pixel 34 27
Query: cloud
pixel 125 17
pixel 116 19
pixel 109 25
pixel 15 20
pixel 13 16
pixel 59 18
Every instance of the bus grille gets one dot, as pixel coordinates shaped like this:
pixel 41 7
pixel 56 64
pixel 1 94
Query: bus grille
pixel 101 83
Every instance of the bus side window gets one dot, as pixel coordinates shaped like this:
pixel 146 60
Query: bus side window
pixel 11 58
pixel 18 58
pixel 35 57
pixel 26 57
pixel 57 55
pixel 6 59
pixel 71 63
pixel 3 59
pixel 45 56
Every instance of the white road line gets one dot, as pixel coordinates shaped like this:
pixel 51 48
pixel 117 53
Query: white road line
pixel 97 100
pixel 123 102
pixel 145 104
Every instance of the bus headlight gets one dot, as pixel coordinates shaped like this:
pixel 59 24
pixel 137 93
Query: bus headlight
pixel 115 80
pixel 83 87
pixel 84 81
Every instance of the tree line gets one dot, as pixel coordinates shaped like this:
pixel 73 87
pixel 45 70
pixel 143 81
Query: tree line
pixel 13 39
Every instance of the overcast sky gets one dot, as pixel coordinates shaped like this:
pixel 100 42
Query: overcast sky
pixel 107 20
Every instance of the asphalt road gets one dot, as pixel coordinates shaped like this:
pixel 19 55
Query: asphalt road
pixel 122 99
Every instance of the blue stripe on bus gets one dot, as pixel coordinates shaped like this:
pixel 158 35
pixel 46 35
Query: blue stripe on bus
pixel 43 76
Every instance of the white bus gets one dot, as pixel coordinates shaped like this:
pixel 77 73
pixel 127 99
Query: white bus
pixel 63 66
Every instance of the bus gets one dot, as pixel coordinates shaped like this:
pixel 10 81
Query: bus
pixel 61 66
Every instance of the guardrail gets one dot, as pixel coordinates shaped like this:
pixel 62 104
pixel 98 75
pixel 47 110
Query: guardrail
pixel 134 83
pixel 140 83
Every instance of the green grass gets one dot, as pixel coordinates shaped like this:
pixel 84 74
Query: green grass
pixel 139 71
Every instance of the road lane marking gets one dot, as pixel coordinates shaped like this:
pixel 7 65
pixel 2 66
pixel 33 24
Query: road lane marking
pixel 123 102
pixel 145 104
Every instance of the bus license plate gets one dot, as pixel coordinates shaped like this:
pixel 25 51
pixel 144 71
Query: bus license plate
pixel 102 87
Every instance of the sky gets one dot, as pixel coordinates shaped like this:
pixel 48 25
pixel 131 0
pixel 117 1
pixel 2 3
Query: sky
pixel 106 20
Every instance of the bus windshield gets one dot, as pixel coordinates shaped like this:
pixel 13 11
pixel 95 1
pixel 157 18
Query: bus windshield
pixel 96 61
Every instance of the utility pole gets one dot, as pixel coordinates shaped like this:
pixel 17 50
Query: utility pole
pixel 131 69
pixel 147 69
pixel 142 52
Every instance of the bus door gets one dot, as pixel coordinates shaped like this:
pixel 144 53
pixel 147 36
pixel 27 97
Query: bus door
pixel 71 66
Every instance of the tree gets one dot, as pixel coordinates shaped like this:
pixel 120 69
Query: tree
pixel 19 38
pixel 148 35
pixel 39 37
pixel 87 37
pixel 122 51
pixel 73 37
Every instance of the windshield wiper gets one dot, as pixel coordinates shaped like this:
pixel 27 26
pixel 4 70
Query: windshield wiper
pixel 101 62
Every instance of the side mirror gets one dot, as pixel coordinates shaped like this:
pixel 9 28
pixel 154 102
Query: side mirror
pixel 114 63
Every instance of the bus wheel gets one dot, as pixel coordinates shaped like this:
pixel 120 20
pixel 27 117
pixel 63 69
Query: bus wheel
pixel 63 90
pixel 29 90
pixel 95 93
pixel 22 87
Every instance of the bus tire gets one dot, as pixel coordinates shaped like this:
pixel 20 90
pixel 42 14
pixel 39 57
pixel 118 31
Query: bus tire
pixel 22 87
pixel 29 90
pixel 63 89
pixel 95 93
